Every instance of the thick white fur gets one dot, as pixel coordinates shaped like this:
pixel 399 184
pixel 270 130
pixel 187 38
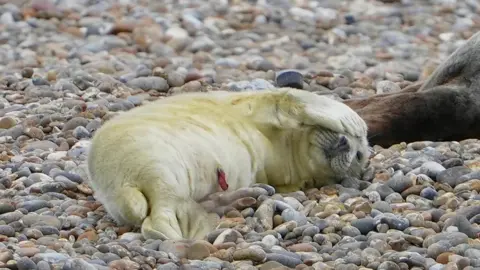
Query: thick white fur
pixel 152 164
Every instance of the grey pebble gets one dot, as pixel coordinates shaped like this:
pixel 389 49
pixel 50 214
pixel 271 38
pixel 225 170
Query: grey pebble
pixel 450 175
pixel 431 168
pixel 81 132
pixel 149 83
pixel 387 87
pixel 399 182
pixel 52 257
pixel 34 205
pixel 7 230
pixel 256 84
pixel 43 265
pixel 393 221
pixel 364 225
pixel 75 122
pixel 6 208
pixel 48 230
pixel 384 190
pixel 175 79
pixel 290 214
pixel 428 193
pixel 11 217
pixel 25 263
pixel 382 206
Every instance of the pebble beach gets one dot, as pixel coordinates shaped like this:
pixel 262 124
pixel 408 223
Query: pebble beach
pixel 67 66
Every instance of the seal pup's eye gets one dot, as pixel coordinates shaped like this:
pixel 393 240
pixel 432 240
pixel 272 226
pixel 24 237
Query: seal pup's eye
pixel 359 155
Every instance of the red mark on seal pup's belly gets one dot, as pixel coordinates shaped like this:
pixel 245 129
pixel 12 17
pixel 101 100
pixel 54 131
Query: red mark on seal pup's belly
pixel 222 180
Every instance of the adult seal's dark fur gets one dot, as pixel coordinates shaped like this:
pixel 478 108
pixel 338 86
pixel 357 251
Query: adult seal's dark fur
pixel 446 107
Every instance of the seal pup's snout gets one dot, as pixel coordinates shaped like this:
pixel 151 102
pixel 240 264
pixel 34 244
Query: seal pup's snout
pixel 347 155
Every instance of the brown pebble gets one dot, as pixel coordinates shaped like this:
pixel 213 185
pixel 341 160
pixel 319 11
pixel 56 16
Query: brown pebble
pixel 162 62
pixel 71 141
pixel 302 247
pixel 122 27
pixel 325 73
pixel 64 146
pixel 28 251
pixel 474 184
pixel 277 220
pixel 192 86
pixel 250 254
pixel 225 254
pixel 26 244
pixel 231 222
pixel 6 256
pixel 51 75
pixel 34 133
pixel 234 213
pixel 85 189
pixel 329 190
pixel 7 122
pixel 192 76
pixel 198 251
pixel 209 245
pixel 27 72
pixel 322 80
pixel 412 190
pixel 382 176
pixel 123 264
pixel 272 265
pixel 74 122
pixel 243 203
pixel 226 245
pixel 123 229
pixel 90 235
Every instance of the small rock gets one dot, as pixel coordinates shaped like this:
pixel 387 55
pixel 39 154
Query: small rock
pixel 149 83
pixel 198 251
pixel 289 78
pixel 387 87
pixel 364 225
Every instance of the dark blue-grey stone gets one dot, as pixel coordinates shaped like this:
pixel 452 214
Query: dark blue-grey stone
pixel 289 78
pixel 34 205
pixel 428 193
pixel 384 190
pixel 364 225
pixel 25 263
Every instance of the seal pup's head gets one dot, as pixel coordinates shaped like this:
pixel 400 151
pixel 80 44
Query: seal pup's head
pixel 344 156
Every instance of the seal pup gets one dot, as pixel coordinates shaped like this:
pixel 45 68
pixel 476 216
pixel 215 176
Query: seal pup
pixel 151 165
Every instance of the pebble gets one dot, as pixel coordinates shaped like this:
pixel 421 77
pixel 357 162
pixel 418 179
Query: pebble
pixel 149 83
pixel 364 225
pixel 289 78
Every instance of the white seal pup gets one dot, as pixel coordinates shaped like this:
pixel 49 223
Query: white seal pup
pixel 151 165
